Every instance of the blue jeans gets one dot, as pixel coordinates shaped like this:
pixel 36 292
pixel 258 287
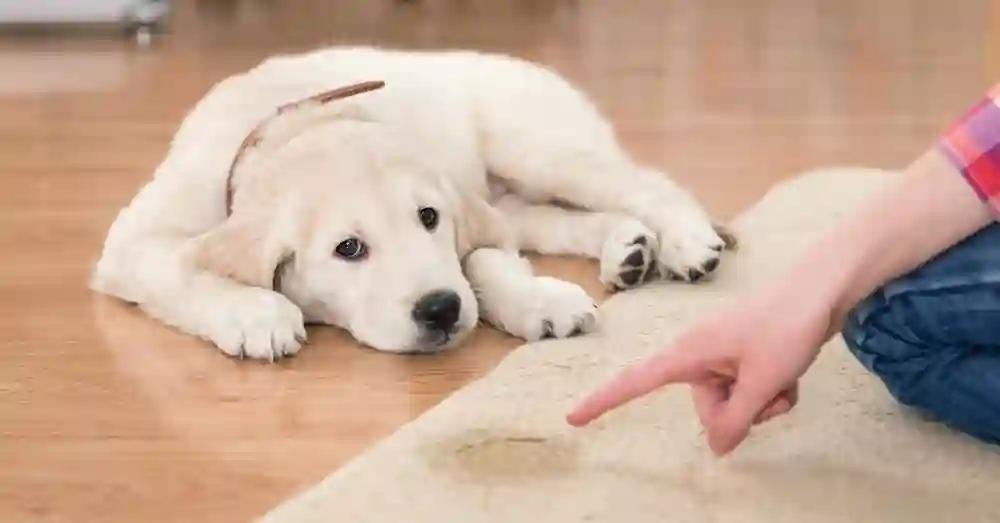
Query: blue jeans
pixel 933 336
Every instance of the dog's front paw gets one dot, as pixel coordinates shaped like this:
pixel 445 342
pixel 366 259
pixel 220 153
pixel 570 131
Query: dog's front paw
pixel 628 256
pixel 258 323
pixel 554 309
pixel 690 248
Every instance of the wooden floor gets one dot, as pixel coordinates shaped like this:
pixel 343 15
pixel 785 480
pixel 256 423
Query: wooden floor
pixel 108 416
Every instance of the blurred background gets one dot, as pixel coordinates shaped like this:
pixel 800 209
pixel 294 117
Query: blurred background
pixel 779 85
pixel 106 415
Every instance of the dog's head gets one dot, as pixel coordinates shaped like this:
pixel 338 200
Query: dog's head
pixel 332 211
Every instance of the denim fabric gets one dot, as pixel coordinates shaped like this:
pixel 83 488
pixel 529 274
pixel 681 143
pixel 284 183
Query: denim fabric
pixel 933 336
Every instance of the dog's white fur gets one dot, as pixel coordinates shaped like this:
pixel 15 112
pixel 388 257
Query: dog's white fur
pixel 488 141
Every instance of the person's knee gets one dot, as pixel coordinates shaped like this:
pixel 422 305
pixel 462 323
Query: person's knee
pixel 879 337
pixel 923 374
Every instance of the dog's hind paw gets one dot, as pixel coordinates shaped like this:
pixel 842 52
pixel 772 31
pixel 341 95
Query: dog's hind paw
pixel 691 248
pixel 629 256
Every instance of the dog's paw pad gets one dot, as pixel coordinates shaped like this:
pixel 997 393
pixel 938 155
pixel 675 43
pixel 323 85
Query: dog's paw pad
pixel 628 256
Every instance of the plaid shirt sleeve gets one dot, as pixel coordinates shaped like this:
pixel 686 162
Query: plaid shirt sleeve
pixel 972 143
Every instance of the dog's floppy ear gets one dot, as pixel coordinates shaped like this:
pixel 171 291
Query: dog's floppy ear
pixel 244 248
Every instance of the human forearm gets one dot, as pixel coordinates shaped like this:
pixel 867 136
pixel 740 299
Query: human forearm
pixel 929 208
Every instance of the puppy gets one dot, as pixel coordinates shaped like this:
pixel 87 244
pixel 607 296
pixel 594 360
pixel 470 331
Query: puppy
pixel 389 193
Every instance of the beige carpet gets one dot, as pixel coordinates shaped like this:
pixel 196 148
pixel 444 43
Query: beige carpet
pixel 499 450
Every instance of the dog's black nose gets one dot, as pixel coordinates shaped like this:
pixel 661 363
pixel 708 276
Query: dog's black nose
pixel 438 310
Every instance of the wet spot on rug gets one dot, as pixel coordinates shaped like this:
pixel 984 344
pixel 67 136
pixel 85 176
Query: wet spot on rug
pixel 496 456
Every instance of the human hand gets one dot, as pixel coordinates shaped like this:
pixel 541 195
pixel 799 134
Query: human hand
pixel 743 365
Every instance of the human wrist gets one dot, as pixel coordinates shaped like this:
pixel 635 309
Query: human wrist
pixel 821 287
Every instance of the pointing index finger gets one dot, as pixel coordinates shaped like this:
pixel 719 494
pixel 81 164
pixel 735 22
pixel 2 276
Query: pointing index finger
pixel 669 366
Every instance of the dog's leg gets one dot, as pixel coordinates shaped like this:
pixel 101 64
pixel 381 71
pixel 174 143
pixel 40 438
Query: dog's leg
pixel 513 299
pixel 242 321
pixel 549 143
pixel 624 246
pixel 690 244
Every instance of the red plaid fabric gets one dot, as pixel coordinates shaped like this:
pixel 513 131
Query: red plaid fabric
pixel 972 143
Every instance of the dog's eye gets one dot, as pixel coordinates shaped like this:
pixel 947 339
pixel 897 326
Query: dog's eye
pixel 351 249
pixel 428 217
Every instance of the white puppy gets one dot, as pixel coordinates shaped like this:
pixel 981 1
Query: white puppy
pixel 390 196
